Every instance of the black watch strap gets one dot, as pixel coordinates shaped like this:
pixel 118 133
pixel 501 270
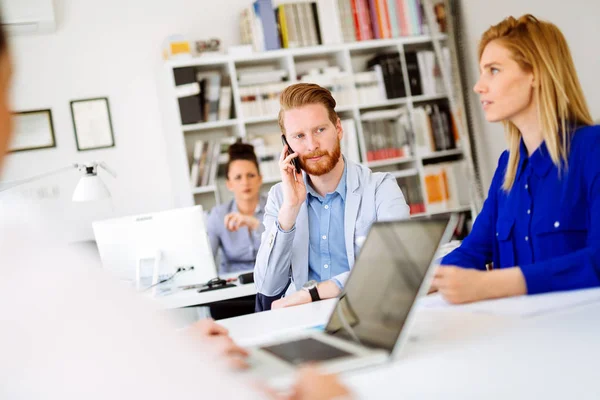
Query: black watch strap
pixel 314 294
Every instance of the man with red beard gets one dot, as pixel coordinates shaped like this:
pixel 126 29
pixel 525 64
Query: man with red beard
pixel 316 219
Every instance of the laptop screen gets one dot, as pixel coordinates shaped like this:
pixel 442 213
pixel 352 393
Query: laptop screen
pixel 385 281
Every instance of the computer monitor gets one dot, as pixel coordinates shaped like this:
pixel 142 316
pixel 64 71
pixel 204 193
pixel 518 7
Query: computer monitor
pixel 148 248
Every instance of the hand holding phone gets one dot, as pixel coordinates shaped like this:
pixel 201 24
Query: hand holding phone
pixel 293 187
pixel 295 161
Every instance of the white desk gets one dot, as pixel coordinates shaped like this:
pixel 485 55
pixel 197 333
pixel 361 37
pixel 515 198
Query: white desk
pixel 474 351
pixel 191 297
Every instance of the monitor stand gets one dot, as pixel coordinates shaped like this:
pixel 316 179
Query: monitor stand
pixel 147 256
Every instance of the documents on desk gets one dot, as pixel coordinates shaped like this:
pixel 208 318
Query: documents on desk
pixel 519 306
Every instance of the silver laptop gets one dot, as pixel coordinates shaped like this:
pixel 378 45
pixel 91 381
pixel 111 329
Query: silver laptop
pixel 367 324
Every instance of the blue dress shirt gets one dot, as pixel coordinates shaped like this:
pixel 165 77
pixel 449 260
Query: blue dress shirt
pixel 327 250
pixel 238 248
pixel 549 222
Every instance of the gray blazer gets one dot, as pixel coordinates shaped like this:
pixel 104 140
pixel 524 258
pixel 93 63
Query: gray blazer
pixel 371 196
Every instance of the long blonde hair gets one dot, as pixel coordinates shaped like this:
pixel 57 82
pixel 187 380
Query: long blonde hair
pixel 540 47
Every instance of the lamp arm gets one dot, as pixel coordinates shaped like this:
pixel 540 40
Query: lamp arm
pixel 107 169
pixel 12 184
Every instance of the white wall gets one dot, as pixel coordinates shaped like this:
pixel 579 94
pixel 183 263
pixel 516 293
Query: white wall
pixel 577 19
pixel 112 48
pixel 108 48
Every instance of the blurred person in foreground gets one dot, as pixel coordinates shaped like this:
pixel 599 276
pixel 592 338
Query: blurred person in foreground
pixel 71 332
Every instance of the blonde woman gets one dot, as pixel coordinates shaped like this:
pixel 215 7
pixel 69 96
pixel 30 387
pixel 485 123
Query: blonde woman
pixel 540 225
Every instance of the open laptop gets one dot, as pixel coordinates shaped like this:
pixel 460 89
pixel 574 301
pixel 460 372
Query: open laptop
pixel 367 324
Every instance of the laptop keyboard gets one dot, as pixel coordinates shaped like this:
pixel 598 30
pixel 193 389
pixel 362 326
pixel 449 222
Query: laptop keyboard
pixel 305 350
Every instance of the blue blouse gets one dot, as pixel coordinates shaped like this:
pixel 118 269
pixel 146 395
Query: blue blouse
pixel 238 248
pixel 548 224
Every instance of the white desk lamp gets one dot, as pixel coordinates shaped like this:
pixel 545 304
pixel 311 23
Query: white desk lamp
pixel 89 188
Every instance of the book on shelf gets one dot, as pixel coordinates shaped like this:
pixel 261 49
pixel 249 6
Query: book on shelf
pixel 411 188
pixel 349 144
pixel 264 12
pixel 434 129
pixel 203 95
pixel 369 86
pixel 195 168
pixel 211 82
pixel 205 162
pixel 210 155
pixel 380 19
pixel 414 76
pixel 299 25
pixel 253 28
pixel 188 92
pixel 338 82
pixel 258 26
pixel 267 147
pixel 261 100
pixel 287 26
pixel 374 19
pixel 384 79
pixel 201 161
pixel 225 100
pixel 393 18
pixel 259 90
pixel 310 23
pixel 430 73
pixel 346 19
pixel 249 29
pixel 386 134
pixel 210 176
pixel 445 186
pixel 389 68
pixel 314 28
pixel 261 76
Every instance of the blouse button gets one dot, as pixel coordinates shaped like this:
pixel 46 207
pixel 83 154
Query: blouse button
pixel 556 224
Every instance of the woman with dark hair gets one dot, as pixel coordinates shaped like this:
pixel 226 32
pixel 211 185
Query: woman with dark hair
pixel 235 227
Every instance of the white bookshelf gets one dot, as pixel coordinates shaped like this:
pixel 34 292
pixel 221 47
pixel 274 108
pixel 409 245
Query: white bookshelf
pixel 389 161
pixel 444 153
pixel 221 59
pixel 447 211
pixel 205 126
pixel 347 56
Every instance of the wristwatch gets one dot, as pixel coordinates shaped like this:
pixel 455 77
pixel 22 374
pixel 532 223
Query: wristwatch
pixel 311 288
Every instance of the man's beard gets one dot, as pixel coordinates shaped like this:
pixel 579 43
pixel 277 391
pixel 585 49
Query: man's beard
pixel 327 162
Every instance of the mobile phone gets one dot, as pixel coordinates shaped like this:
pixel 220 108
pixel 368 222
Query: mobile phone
pixel 295 161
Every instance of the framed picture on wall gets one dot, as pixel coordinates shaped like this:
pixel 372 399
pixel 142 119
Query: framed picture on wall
pixel 92 124
pixel 33 130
